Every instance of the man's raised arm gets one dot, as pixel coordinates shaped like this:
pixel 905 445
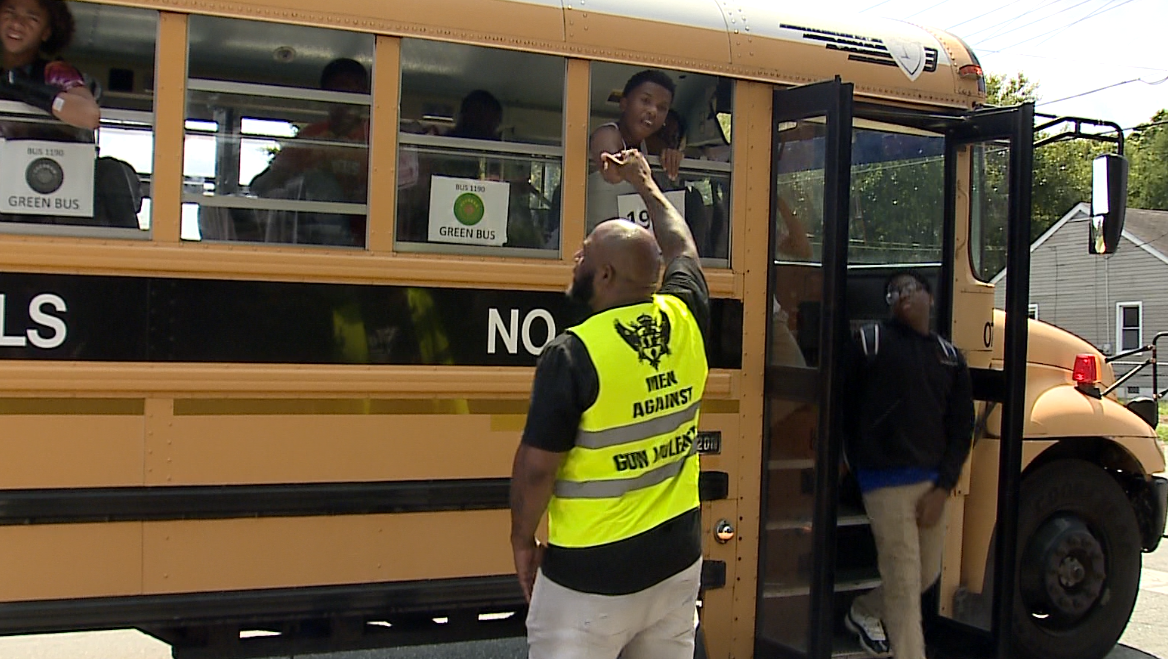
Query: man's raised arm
pixel 673 234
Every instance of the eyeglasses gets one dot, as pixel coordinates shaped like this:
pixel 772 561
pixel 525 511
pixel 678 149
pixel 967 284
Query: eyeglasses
pixel 904 290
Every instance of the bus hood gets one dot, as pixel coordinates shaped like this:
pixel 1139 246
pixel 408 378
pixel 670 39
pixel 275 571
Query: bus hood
pixel 1050 346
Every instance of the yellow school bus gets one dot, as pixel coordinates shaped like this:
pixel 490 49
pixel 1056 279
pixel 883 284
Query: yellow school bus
pixel 267 336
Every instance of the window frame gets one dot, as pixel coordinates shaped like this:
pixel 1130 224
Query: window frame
pixel 977 217
pixel 207 85
pixel 209 82
pixel 470 147
pixel 112 116
pixel 444 144
pixel 1120 347
pixel 695 166
pixel 1032 310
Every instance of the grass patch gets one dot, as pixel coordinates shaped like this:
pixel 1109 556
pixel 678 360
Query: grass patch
pixel 1162 429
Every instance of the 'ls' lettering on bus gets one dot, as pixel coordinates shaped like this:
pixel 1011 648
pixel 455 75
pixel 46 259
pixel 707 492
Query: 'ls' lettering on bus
pixel 45 320
pixel 511 332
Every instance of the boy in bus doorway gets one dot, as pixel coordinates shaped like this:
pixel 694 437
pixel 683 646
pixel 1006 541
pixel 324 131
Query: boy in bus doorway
pixel 608 450
pixel 907 447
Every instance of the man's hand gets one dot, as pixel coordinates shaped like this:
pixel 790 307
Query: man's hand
pixel 930 507
pixel 669 227
pixel 631 165
pixel 533 476
pixel 528 557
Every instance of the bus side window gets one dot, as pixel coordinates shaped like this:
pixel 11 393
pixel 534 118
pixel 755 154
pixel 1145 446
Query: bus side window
pixel 277 139
pixel 87 178
pixel 480 150
pixel 689 128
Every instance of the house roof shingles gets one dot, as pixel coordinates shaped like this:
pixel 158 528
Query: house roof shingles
pixel 1148 227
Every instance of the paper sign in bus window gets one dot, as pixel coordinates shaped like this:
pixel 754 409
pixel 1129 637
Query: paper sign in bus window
pixel 632 207
pixel 46 178
pixel 468 211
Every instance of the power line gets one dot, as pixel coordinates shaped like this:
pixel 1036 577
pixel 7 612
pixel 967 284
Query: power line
pixel 878 4
pixel 1057 30
pixel 1092 15
pixel 970 20
pixel 929 8
pixel 1008 21
pixel 1111 86
pixel 1147 242
pixel 1151 124
pixel 1070 60
pixel 995 35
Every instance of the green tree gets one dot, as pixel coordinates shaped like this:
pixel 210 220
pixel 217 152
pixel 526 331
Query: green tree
pixel 1147 150
pixel 1062 178
pixel 1062 170
pixel 1003 91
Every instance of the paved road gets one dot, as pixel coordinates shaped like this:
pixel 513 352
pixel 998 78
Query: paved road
pixel 1146 635
pixel 1148 627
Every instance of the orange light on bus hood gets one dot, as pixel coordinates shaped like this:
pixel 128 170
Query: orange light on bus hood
pixel 970 71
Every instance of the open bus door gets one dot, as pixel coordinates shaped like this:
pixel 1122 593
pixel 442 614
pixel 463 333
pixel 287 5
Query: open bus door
pixel 811 156
pixel 816 551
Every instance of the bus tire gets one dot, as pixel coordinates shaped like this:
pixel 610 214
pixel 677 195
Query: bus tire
pixel 1079 560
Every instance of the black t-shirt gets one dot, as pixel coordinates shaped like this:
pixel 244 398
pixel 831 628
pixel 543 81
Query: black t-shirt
pixel 566 384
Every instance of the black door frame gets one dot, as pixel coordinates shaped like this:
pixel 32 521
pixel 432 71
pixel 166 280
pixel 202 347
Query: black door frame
pixel 831 100
pixel 1015 126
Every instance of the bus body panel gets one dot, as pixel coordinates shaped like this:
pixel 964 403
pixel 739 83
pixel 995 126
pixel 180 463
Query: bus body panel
pixel 1056 411
pixel 68 561
pixel 82 450
pixel 747 43
pixel 146 427
pixel 218 444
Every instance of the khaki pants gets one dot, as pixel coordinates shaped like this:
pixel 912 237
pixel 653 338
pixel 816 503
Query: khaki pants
pixel 910 562
pixel 655 623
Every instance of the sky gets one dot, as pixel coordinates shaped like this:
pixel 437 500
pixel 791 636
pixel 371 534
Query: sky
pixel 1068 46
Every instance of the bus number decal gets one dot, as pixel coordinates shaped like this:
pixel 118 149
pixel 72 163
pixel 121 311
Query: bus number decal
pixel 987 334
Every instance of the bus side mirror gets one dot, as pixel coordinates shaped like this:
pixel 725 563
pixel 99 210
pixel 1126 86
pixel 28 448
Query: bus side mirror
pixel 1108 203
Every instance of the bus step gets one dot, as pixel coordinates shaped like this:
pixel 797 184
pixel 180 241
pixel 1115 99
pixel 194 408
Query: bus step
pixel 846 646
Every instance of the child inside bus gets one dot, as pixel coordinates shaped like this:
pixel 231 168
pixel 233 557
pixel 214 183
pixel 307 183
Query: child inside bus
pixel 327 165
pixel 32 31
pixel 644 107
pixel 344 171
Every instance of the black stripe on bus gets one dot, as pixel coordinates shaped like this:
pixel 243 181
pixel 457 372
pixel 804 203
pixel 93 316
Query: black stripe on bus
pixel 99 318
pixel 162 615
pixel 139 504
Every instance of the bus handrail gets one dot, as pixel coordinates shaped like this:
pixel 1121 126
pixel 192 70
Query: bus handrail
pixel 1152 347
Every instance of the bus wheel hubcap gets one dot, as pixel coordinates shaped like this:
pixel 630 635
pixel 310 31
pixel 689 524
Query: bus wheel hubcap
pixel 1064 570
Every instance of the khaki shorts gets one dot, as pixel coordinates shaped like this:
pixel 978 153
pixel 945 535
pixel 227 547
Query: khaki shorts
pixel 655 623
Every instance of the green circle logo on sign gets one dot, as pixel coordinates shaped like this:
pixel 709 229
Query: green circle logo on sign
pixel 469 209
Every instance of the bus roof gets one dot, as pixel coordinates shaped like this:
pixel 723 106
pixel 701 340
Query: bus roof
pixel 747 39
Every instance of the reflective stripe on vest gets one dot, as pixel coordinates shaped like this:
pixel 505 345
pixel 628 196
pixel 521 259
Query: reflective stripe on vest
pixel 634 464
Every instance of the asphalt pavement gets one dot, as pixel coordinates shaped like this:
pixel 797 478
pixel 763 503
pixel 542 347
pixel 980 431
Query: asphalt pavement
pixel 1146 636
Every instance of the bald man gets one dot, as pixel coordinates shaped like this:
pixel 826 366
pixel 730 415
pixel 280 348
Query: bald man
pixel 608 450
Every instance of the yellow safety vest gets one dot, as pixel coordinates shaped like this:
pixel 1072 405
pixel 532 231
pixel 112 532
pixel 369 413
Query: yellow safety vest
pixel 634 464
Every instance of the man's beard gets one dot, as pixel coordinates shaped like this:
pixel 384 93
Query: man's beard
pixel 582 289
